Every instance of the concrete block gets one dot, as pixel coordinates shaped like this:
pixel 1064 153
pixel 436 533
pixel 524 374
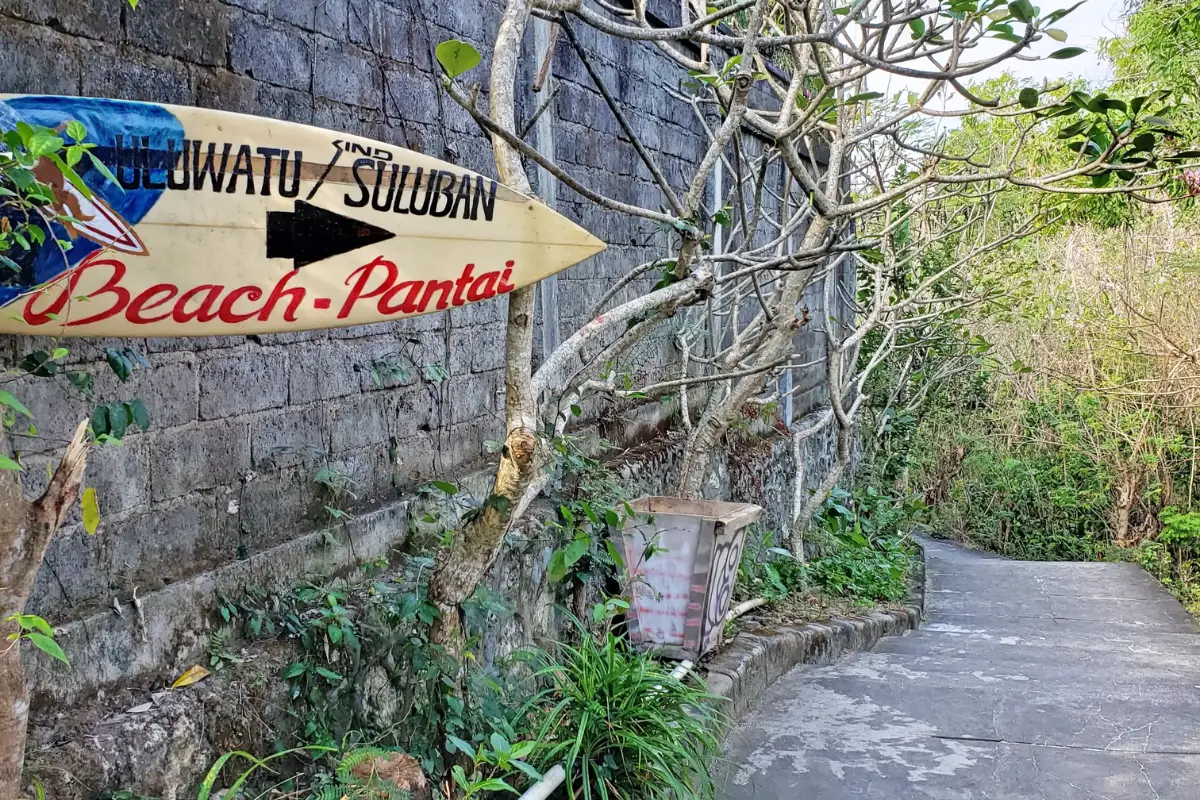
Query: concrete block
pixel 370 468
pixel 473 396
pixel 321 370
pixel 120 475
pixel 282 56
pixel 36 60
pixel 168 389
pixel 271 509
pixel 323 16
pixel 385 30
pixel 347 74
pixel 255 6
pixel 192 30
pixel 198 457
pixel 280 103
pixel 349 119
pixel 228 91
pixel 166 545
pixel 289 437
pixel 360 421
pixel 417 409
pixel 411 95
pixel 130 74
pixel 253 380
pixel 74 579
pixel 193 344
pixel 95 19
pixel 414 459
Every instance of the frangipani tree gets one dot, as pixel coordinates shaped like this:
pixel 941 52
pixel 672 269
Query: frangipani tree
pixel 837 192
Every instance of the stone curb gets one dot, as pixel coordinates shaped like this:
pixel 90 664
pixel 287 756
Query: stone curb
pixel 754 661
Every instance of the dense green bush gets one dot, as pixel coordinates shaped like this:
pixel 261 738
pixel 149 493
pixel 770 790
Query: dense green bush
pixel 621 725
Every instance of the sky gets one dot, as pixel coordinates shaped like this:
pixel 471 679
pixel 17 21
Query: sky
pixel 1085 26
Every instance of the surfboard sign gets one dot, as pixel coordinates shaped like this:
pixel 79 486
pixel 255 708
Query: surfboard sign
pixel 222 223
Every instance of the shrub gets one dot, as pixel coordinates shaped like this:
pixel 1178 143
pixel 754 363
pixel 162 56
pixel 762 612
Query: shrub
pixel 621 725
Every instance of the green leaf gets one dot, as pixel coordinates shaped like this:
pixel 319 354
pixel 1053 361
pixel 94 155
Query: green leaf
pixel 102 169
pixel 1068 52
pixel 48 646
pixel 91 510
pixel 139 413
pixel 557 569
pixel 35 623
pixel 8 463
pixel 335 634
pixel 1022 10
pixel 445 488
pixel 918 28
pixel 864 97
pixel 118 420
pixel 1144 141
pixel 39 364
pixel 457 57
pixel 494 785
pixel 7 399
pixel 499 743
pixel 99 420
pixel 294 670
pixel 1157 122
pixel 329 675
pixel 76 130
pixel 575 551
pixel 121 365
pixel 44 143
pixel 460 745
pixel 1028 97
pixel 1057 34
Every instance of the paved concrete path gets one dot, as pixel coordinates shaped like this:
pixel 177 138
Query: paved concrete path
pixel 1050 681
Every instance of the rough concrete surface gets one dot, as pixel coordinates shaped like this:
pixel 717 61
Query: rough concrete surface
pixel 1054 681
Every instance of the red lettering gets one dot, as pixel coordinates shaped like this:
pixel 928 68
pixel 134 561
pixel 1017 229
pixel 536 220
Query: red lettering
pixel 445 287
pixel 359 291
pixel 226 312
pixel 146 301
pixel 56 307
pixel 206 312
pixel 505 286
pixel 462 283
pixel 483 287
pixel 410 304
pixel 67 291
pixel 110 286
pixel 277 293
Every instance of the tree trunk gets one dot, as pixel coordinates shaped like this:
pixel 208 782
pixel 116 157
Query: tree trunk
pixel 26 529
pixel 711 426
pixel 1122 506
pixel 461 566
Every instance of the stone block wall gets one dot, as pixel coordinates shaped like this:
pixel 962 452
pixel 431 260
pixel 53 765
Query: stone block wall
pixel 248 431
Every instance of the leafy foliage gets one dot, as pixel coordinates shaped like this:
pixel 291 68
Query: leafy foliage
pixel 866 557
pixel 35 630
pixel 620 724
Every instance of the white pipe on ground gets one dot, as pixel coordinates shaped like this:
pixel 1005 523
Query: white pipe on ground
pixel 682 670
pixel 549 782
pixel 743 608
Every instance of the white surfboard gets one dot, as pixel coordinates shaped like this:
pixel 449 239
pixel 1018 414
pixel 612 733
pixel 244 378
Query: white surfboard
pixel 224 223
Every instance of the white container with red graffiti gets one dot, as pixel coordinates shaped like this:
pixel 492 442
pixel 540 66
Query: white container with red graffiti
pixel 681 559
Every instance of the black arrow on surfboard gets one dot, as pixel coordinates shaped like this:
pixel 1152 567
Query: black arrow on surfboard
pixel 310 234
